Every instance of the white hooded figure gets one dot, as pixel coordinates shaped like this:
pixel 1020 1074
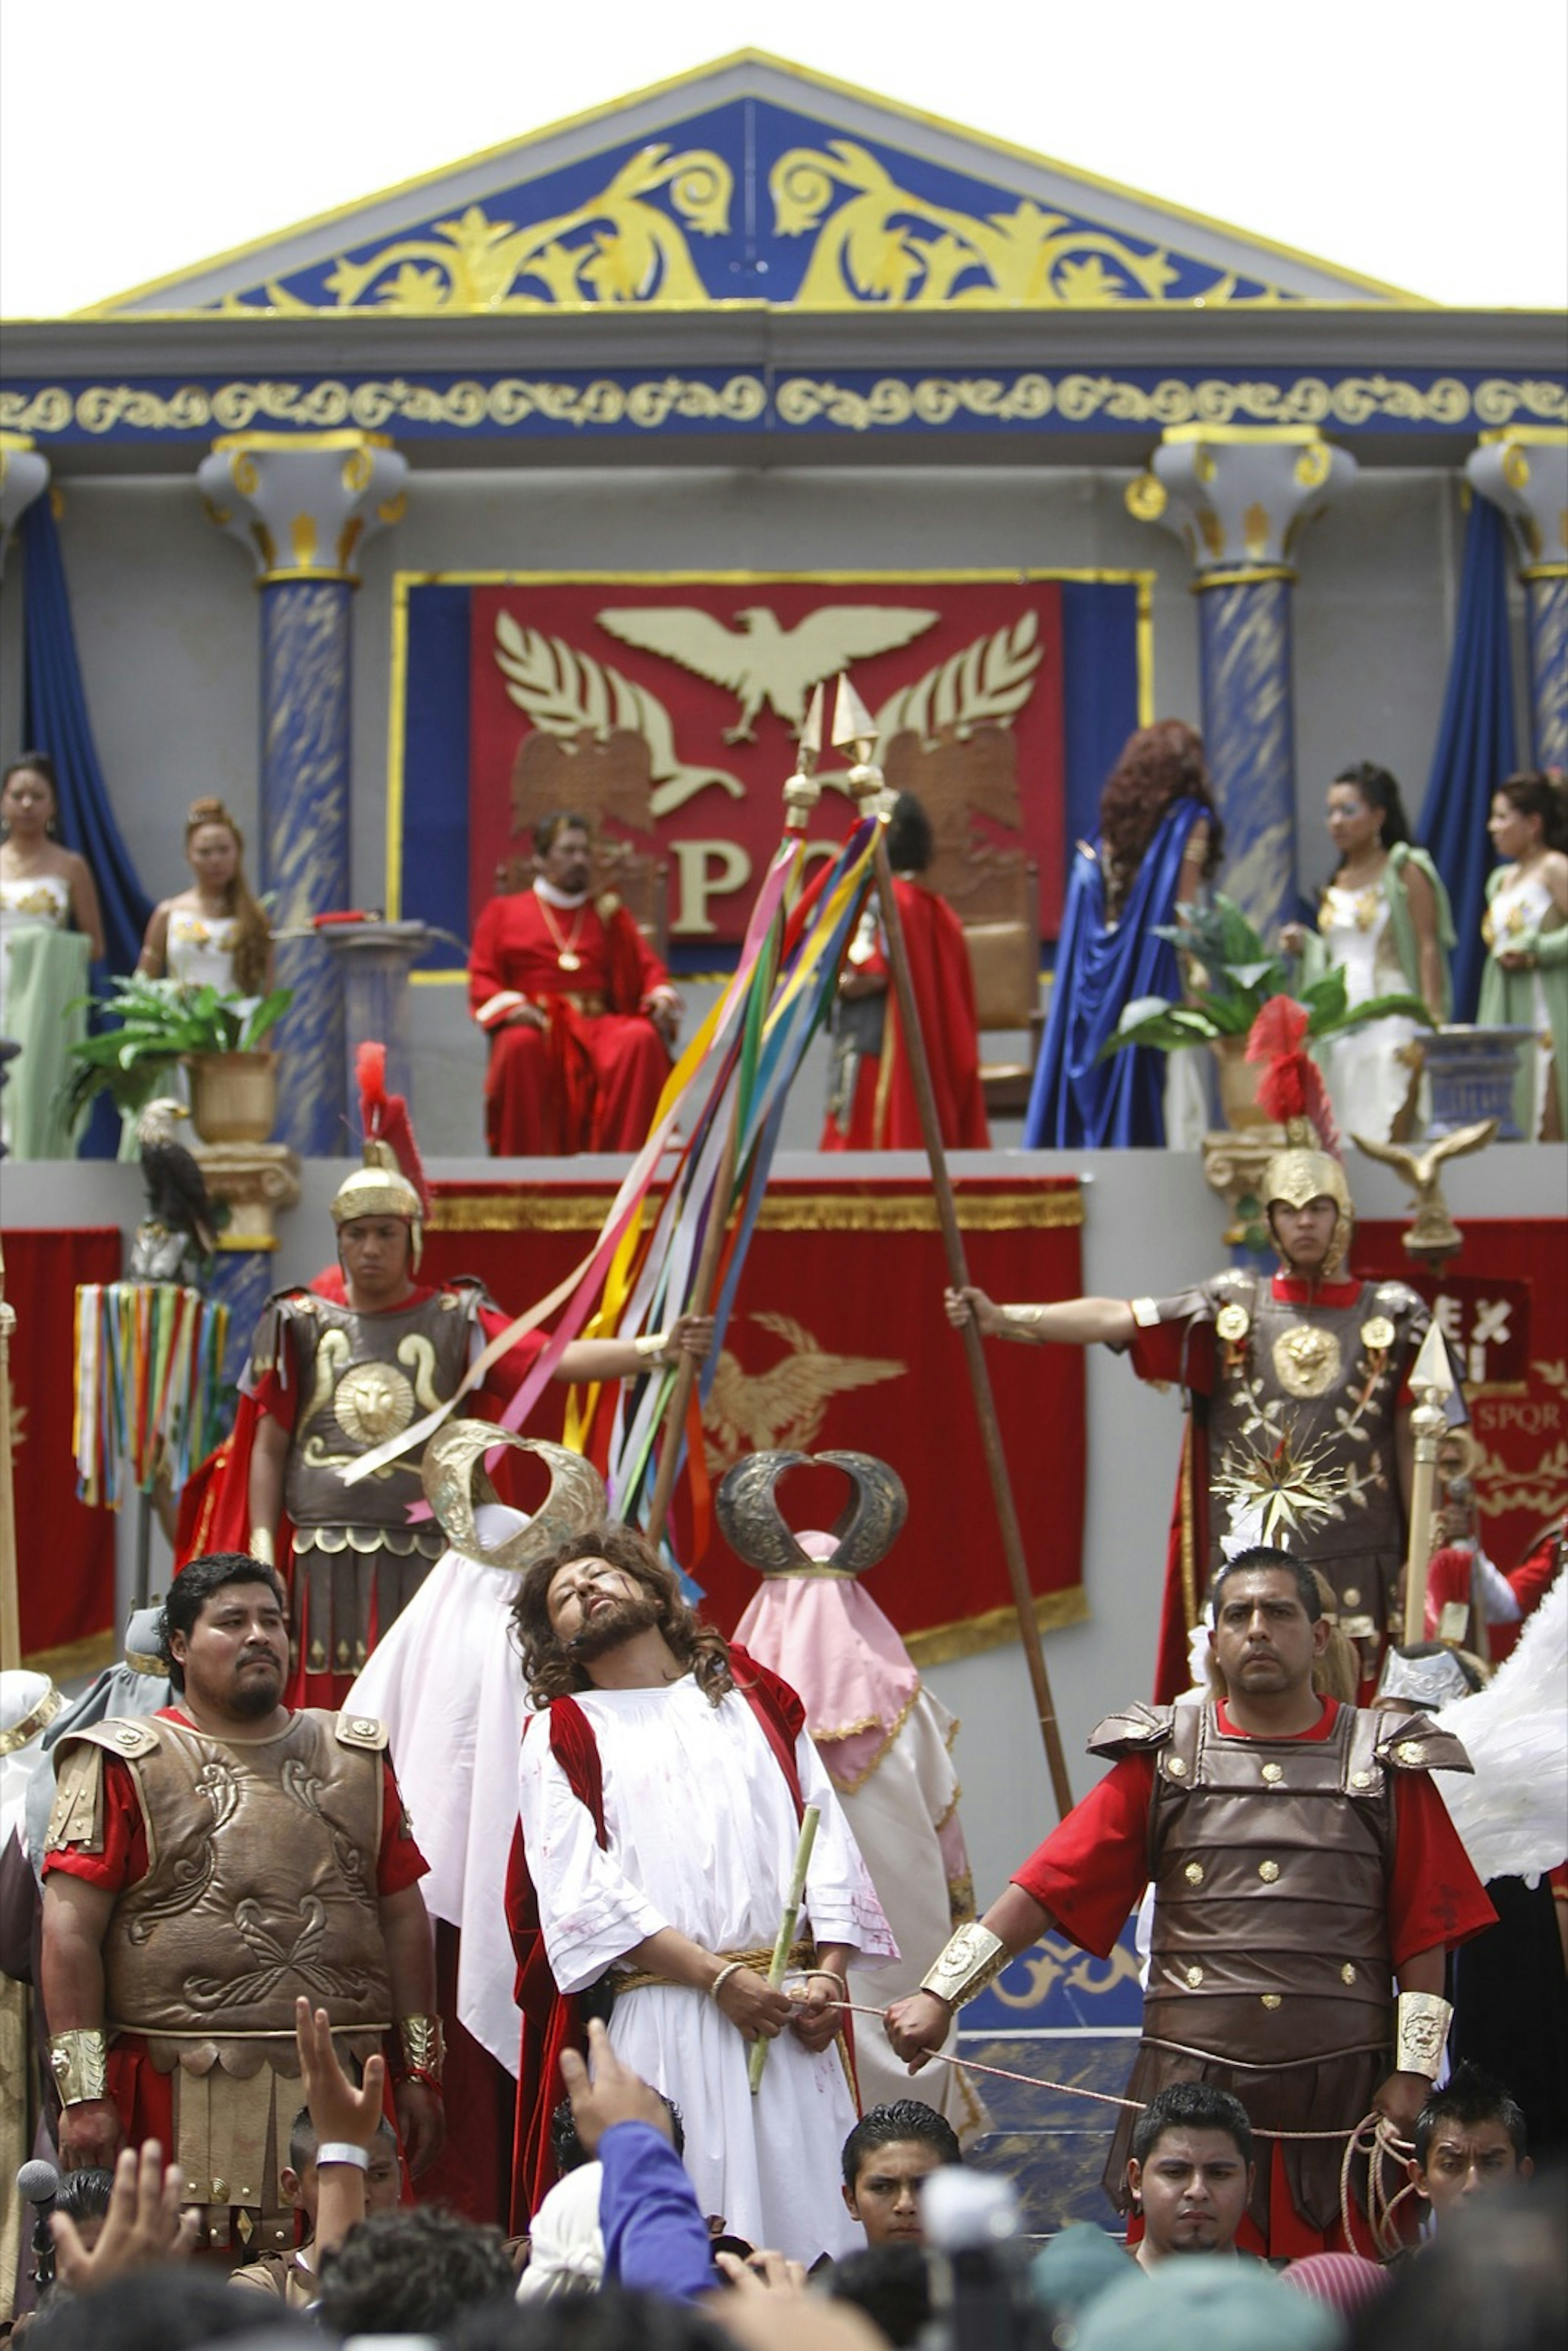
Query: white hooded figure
pixel 886 1742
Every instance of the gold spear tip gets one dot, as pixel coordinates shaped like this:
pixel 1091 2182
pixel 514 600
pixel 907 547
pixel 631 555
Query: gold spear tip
pixel 1434 1369
pixel 854 727
pixel 811 733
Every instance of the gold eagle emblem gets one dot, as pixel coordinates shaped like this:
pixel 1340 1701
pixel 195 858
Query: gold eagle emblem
pixel 782 1409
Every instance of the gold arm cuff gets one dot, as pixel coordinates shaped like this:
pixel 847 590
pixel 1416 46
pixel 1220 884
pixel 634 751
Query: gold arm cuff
pixel 79 2060
pixel 263 1546
pixel 422 2046
pixel 1024 1317
pixel 653 1346
pixel 966 1965
pixel 1421 2033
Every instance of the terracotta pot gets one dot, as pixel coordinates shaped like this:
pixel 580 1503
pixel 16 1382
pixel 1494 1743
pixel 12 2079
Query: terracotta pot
pixel 234 1096
pixel 1238 1084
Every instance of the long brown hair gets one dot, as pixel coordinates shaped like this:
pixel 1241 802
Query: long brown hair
pixel 1540 791
pixel 548 1670
pixel 1159 764
pixel 252 937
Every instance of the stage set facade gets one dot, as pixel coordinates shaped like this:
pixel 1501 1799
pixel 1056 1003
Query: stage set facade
pixel 561 475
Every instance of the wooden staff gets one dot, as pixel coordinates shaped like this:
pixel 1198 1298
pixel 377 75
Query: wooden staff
pixel 1431 1383
pixel 778 1966
pixel 853 729
pixel 10 1608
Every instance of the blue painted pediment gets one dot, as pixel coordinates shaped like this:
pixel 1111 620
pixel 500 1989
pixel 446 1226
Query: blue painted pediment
pixel 751 181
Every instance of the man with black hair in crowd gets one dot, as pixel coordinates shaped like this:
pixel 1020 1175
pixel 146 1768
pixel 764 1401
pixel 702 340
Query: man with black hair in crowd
pixel 1301 1860
pixel 291 2277
pixel 1470 2141
pixel 412 2271
pixel 887 2155
pixel 209 1863
pixel 1191 2171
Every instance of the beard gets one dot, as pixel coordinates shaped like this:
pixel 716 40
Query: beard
pixel 254 1696
pixel 608 1627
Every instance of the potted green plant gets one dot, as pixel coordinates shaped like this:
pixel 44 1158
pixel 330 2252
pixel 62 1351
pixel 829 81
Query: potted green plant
pixel 162 1025
pixel 1231 974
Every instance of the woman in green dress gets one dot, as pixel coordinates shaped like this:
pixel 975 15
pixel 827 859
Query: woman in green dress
pixel 1525 983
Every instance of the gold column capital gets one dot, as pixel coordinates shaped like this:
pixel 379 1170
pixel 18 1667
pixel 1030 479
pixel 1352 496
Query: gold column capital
pixel 1236 495
pixel 1524 470
pixel 303 503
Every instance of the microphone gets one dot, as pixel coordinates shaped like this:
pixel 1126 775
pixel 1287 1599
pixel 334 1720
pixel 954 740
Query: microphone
pixel 39 2184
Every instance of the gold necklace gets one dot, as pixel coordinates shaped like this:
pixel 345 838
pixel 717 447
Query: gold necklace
pixel 566 954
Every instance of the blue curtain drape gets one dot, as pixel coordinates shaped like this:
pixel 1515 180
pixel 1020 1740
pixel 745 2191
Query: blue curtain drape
pixel 55 720
pixel 1475 744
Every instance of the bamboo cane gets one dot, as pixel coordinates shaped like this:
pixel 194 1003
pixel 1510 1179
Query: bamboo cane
pixel 854 727
pixel 778 1966
pixel 10 1606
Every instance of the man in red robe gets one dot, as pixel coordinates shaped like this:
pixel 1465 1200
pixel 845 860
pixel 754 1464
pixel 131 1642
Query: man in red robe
pixel 578 1010
pixel 871 1092
pixel 1301 1858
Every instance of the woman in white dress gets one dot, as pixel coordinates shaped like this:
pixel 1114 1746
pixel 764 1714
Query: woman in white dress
pixel 214 935
pixel 50 928
pixel 1525 983
pixel 1383 919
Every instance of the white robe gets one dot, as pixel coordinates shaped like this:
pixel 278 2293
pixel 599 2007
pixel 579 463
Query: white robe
pixel 702 1837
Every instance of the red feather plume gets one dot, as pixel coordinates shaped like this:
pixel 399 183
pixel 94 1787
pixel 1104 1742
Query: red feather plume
pixel 1291 1085
pixel 385 1117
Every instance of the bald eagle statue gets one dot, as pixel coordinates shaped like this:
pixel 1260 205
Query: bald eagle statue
pixel 178 1234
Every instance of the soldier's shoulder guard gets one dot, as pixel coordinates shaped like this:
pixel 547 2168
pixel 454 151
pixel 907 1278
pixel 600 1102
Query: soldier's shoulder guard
pixel 1399 1302
pixel 1137 1732
pixel 76 1817
pixel 360 1730
pixel 1414 1743
pixel 117 1735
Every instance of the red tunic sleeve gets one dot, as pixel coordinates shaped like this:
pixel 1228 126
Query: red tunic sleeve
pixel 123 1859
pixel 400 1862
pixel 506 1375
pixel 1435 1898
pixel 1180 1352
pixel 486 976
pixel 1090 1872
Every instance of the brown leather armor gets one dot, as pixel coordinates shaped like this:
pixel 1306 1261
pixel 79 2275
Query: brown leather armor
pixel 1325 1381
pixel 260 1885
pixel 1269 1966
pixel 362 1378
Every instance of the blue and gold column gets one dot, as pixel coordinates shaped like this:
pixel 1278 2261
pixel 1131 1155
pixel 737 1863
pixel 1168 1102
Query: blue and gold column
pixel 1523 469
pixel 302 504
pixel 1236 496
pixel 23 475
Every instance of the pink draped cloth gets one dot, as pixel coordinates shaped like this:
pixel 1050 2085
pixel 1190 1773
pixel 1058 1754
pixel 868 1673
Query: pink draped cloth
pixel 830 1641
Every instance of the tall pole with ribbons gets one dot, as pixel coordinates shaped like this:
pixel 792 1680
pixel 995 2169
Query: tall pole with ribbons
pixel 854 730
pixel 800 795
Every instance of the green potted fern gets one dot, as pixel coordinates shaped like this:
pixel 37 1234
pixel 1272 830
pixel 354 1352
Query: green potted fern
pixel 1231 974
pixel 162 1025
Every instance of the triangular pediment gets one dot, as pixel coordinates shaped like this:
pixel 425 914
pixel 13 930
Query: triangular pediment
pixel 751 181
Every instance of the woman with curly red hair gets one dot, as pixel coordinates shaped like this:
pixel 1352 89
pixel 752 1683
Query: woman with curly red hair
pixel 1160 839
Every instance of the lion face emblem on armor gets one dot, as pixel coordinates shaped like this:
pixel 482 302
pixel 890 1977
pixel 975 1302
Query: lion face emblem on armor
pixel 373 1401
pixel 1307 1360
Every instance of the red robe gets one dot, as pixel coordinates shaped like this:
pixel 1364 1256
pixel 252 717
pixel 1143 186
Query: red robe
pixel 591 1079
pixel 883 1117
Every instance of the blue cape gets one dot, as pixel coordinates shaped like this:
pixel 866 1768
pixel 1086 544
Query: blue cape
pixel 1078 1100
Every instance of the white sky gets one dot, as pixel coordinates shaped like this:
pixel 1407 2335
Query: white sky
pixel 1420 141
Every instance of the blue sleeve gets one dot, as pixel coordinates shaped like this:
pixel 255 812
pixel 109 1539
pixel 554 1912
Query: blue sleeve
pixel 655 2238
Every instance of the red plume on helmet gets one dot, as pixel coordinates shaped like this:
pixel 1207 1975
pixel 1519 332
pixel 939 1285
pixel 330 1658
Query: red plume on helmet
pixel 1290 1087
pixel 385 1116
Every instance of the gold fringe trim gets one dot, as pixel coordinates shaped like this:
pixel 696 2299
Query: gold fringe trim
pixel 970 1635
pixel 88 1655
pixel 821 1212
pixel 848 1787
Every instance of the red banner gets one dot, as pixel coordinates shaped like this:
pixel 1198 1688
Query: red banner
pixel 1503 1306
pixel 669 711
pixel 837 1341
pixel 65 1553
